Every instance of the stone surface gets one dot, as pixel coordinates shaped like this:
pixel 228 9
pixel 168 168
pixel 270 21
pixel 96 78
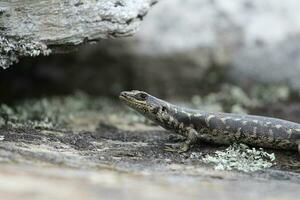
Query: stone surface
pixel 113 163
pixel 96 149
pixel 65 183
pixel 192 50
pixel 62 24
pixel 246 41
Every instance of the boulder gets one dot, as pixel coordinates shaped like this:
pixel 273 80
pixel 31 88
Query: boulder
pixel 246 42
pixel 29 28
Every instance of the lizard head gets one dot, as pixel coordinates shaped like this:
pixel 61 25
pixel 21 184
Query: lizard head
pixel 144 103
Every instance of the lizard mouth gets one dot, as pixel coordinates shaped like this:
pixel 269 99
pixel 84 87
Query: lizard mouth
pixel 124 96
pixel 129 99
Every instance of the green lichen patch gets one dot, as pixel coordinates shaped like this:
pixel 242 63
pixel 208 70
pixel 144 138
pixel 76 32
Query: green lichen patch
pixel 55 112
pixel 78 112
pixel 234 99
pixel 241 157
pixel 11 49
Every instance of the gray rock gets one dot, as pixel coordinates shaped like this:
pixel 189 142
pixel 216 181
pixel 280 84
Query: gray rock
pixel 83 147
pixel 250 41
pixel 61 24
pixel 125 162
pixel 185 48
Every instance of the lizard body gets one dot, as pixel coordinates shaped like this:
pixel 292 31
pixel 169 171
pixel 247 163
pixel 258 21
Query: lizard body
pixel 220 128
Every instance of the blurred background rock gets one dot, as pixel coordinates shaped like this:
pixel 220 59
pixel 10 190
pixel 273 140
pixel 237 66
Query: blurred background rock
pixel 183 48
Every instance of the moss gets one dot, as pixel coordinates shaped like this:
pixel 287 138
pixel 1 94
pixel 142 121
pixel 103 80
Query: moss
pixel 11 49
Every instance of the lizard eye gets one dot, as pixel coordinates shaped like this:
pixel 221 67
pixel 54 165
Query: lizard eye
pixel 141 96
pixel 164 108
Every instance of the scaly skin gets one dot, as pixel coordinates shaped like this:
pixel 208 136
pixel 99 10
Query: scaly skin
pixel 220 128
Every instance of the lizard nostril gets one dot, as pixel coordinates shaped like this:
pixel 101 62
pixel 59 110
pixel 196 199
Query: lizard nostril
pixel 122 95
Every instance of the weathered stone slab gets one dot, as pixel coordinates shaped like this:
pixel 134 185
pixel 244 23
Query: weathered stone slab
pixel 82 147
pixel 64 23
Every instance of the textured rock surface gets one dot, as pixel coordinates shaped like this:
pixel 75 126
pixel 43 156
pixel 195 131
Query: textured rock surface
pixel 67 23
pixel 191 50
pixel 94 149
pixel 51 183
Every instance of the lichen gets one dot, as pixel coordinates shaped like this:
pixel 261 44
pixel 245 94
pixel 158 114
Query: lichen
pixel 271 93
pixel 2 137
pixel 53 112
pixel 234 99
pixel 77 112
pixel 241 157
pixel 11 49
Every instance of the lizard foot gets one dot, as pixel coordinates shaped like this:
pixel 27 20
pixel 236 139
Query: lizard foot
pixel 179 147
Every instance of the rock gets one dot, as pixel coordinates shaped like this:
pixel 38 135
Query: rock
pixel 61 24
pixel 192 50
pixel 245 42
pixel 53 183
pixel 94 149
pixel 257 39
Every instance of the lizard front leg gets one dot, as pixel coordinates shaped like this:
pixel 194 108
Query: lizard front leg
pixel 186 145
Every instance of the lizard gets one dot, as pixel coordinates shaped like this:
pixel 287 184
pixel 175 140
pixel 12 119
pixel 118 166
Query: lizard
pixel 214 127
